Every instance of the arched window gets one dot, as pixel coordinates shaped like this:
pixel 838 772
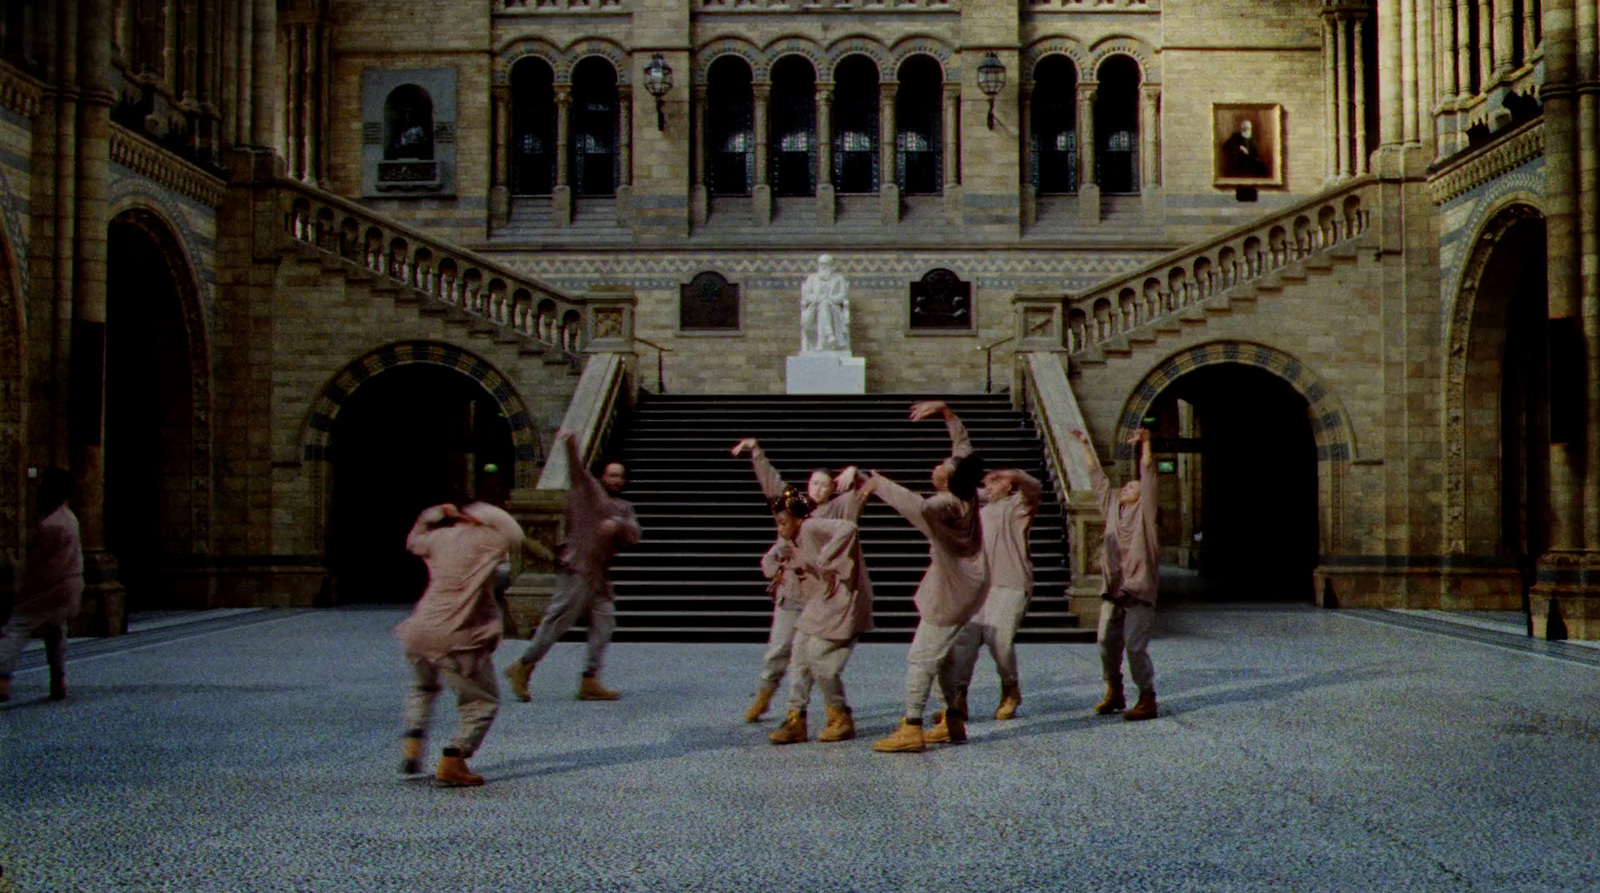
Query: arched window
pixel 730 127
pixel 709 301
pixel 1116 126
pixel 533 128
pixel 919 126
pixel 594 127
pixel 408 124
pixel 1054 147
pixel 792 153
pixel 941 300
pixel 855 125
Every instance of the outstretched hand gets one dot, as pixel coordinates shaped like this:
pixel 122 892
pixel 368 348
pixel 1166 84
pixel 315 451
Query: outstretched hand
pixel 748 444
pixel 566 434
pixel 847 479
pixel 927 409
pixel 1140 437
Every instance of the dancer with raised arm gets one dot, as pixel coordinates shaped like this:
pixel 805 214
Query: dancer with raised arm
pixel 1129 559
pixel 599 523
pixel 835 498
pixel 454 629
pixel 953 589
pixel 1010 503
pixel 50 587
pixel 835 592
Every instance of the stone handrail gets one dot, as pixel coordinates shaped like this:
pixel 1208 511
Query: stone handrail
pixel 460 278
pixel 1236 257
pixel 140 155
pixel 591 413
pixel 1056 415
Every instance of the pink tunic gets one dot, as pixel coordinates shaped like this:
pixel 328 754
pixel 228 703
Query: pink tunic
pixel 1006 523
pixel 1129 553
pixel 52 578
pixel 457 611
pixel 588 550
pixel 957 581
pixel 786 581
pixel 838 606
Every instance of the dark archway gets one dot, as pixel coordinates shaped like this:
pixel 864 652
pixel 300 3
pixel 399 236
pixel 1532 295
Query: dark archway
pixel 855 125
pixel 596 133
pixel 919 125
pixel 730 129
pixel 533 127
pixel 150 412
pixel 412 436
pixel 1055 126
pixel 1116 126
pixel 792 154
pixel 1237 444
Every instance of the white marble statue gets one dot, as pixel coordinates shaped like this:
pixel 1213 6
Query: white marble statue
pixel 825 310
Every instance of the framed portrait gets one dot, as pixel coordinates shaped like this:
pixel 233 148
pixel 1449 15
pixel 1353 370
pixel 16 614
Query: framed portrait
pixel 1248 144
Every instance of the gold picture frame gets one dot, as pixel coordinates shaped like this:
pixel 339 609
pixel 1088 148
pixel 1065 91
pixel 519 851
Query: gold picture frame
pixel 1247 144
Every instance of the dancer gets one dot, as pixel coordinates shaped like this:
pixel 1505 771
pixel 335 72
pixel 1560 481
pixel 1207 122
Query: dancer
pixel 599 523
pixel 50 587
pixel 1011 502
pixel 454 629
pixel 838 498
pixel 1130 560
pixel 953 589
pixel 836 608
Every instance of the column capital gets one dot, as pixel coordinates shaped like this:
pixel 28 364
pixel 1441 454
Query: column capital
pixel 563 94
pixel 761 91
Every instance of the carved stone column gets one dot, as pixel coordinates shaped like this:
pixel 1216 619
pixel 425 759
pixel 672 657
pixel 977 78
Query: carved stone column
pixel 1408 71
pixel 561 193
pixel 1424 91
pixel 1391 110
pixel 1341 95
pixel 1447 85
pixel 1330 93
pixel 500 191
pixel 1486 47
pixel 625 152
pixel 1464 49
pixel 1363 163
pixel 1088 189
pixel 888 182
pixel 263 63
pixel 293 97
pixel 825 202
pixel 1530 28
pixel 700 172
pixel 761 191
pixel 1150 149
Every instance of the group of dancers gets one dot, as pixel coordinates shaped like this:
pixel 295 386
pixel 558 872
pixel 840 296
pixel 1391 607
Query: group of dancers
pixel 973 596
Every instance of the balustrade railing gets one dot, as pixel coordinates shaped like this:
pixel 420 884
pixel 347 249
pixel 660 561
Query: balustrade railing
pixel 459 278
pixel 1241 255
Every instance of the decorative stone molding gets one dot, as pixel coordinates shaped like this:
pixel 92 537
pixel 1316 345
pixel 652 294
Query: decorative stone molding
pixel 730 46
pixel 19 92
pixel 1055 46
pixel 563 7
pixel 812 7
pixel 1510 153
pixel 1095 6
pixel 1138 50
pixel 147 159
pixel 859 46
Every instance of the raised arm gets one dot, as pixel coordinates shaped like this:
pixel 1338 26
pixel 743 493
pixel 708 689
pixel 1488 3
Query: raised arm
pixel 771 482
pixel 960 443
pixel 499 520
pixel 585 495
pixel 1027 486
pixel 1147 465
pixel 907 503
pixel 418 541
pixel 1097 475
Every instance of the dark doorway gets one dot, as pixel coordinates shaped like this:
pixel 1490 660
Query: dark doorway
pixel 413 436
pixel 1249 462
pixel 149 417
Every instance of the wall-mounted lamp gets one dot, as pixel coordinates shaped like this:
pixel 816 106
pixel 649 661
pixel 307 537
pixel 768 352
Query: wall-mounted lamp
pixel 658 80
pixel 991 80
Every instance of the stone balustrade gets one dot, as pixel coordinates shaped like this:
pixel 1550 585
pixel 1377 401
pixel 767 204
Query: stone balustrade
pixel 1243 255
pixel 816 5
pixel 455 277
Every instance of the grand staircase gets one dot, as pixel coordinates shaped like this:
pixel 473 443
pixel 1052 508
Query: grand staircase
pixel 696 575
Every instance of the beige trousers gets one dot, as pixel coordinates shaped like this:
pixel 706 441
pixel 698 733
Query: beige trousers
pixel 1126 628
pixel 822 661
pixel 470 674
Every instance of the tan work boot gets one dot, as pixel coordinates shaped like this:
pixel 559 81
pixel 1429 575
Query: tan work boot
pixel 905 739
pixel 1144 708
pixel 793 730
pixel 453 771
pixel 758 707
pixel 841 726
pixel 590 689
pixel 1112 702
pixel 1010 700
pixel 411 754
pixel 517 675
pixel 939 732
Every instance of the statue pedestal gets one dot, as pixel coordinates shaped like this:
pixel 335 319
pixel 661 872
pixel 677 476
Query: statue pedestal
pixel 827 372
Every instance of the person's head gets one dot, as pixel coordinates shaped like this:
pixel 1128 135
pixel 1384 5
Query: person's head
pixel 614 476
pixel 996 486
pixel 960 476
pixel 1245 127
pixel 820 486
pixel 825 264
pixel 55 488
pixel 1129 494
pixel 789 510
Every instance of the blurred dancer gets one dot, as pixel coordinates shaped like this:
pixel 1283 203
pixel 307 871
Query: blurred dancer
pixel 454 629
pixel 599 523
pixel 50 587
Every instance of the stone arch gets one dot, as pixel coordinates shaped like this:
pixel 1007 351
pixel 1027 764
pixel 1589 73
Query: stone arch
pixel 13 385
pixel 1132 47
pixel 859 45
pixel 155 225
pixel 728 46
pixel 579 50
pixel 792 46
pixel 1330 424
pixel 926 45
pixel 318 424
pixel 1057 46
pixel 523 48
pixel 1499 220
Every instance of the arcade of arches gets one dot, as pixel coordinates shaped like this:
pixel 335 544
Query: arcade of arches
pixel 271 267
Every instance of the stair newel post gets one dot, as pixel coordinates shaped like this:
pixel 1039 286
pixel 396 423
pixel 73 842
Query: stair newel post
pixel 608 319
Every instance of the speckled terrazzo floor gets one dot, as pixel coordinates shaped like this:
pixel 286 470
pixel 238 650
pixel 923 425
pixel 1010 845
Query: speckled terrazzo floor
pixel 1300 750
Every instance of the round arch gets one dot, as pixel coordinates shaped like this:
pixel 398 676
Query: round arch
pixel 1135 49
pixel 727 46
pixel 925 45
pixel 858 45
pixel 777 50
pixel 1057 46
pixel 605 49
pixel 1461 427
pixel 154 225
